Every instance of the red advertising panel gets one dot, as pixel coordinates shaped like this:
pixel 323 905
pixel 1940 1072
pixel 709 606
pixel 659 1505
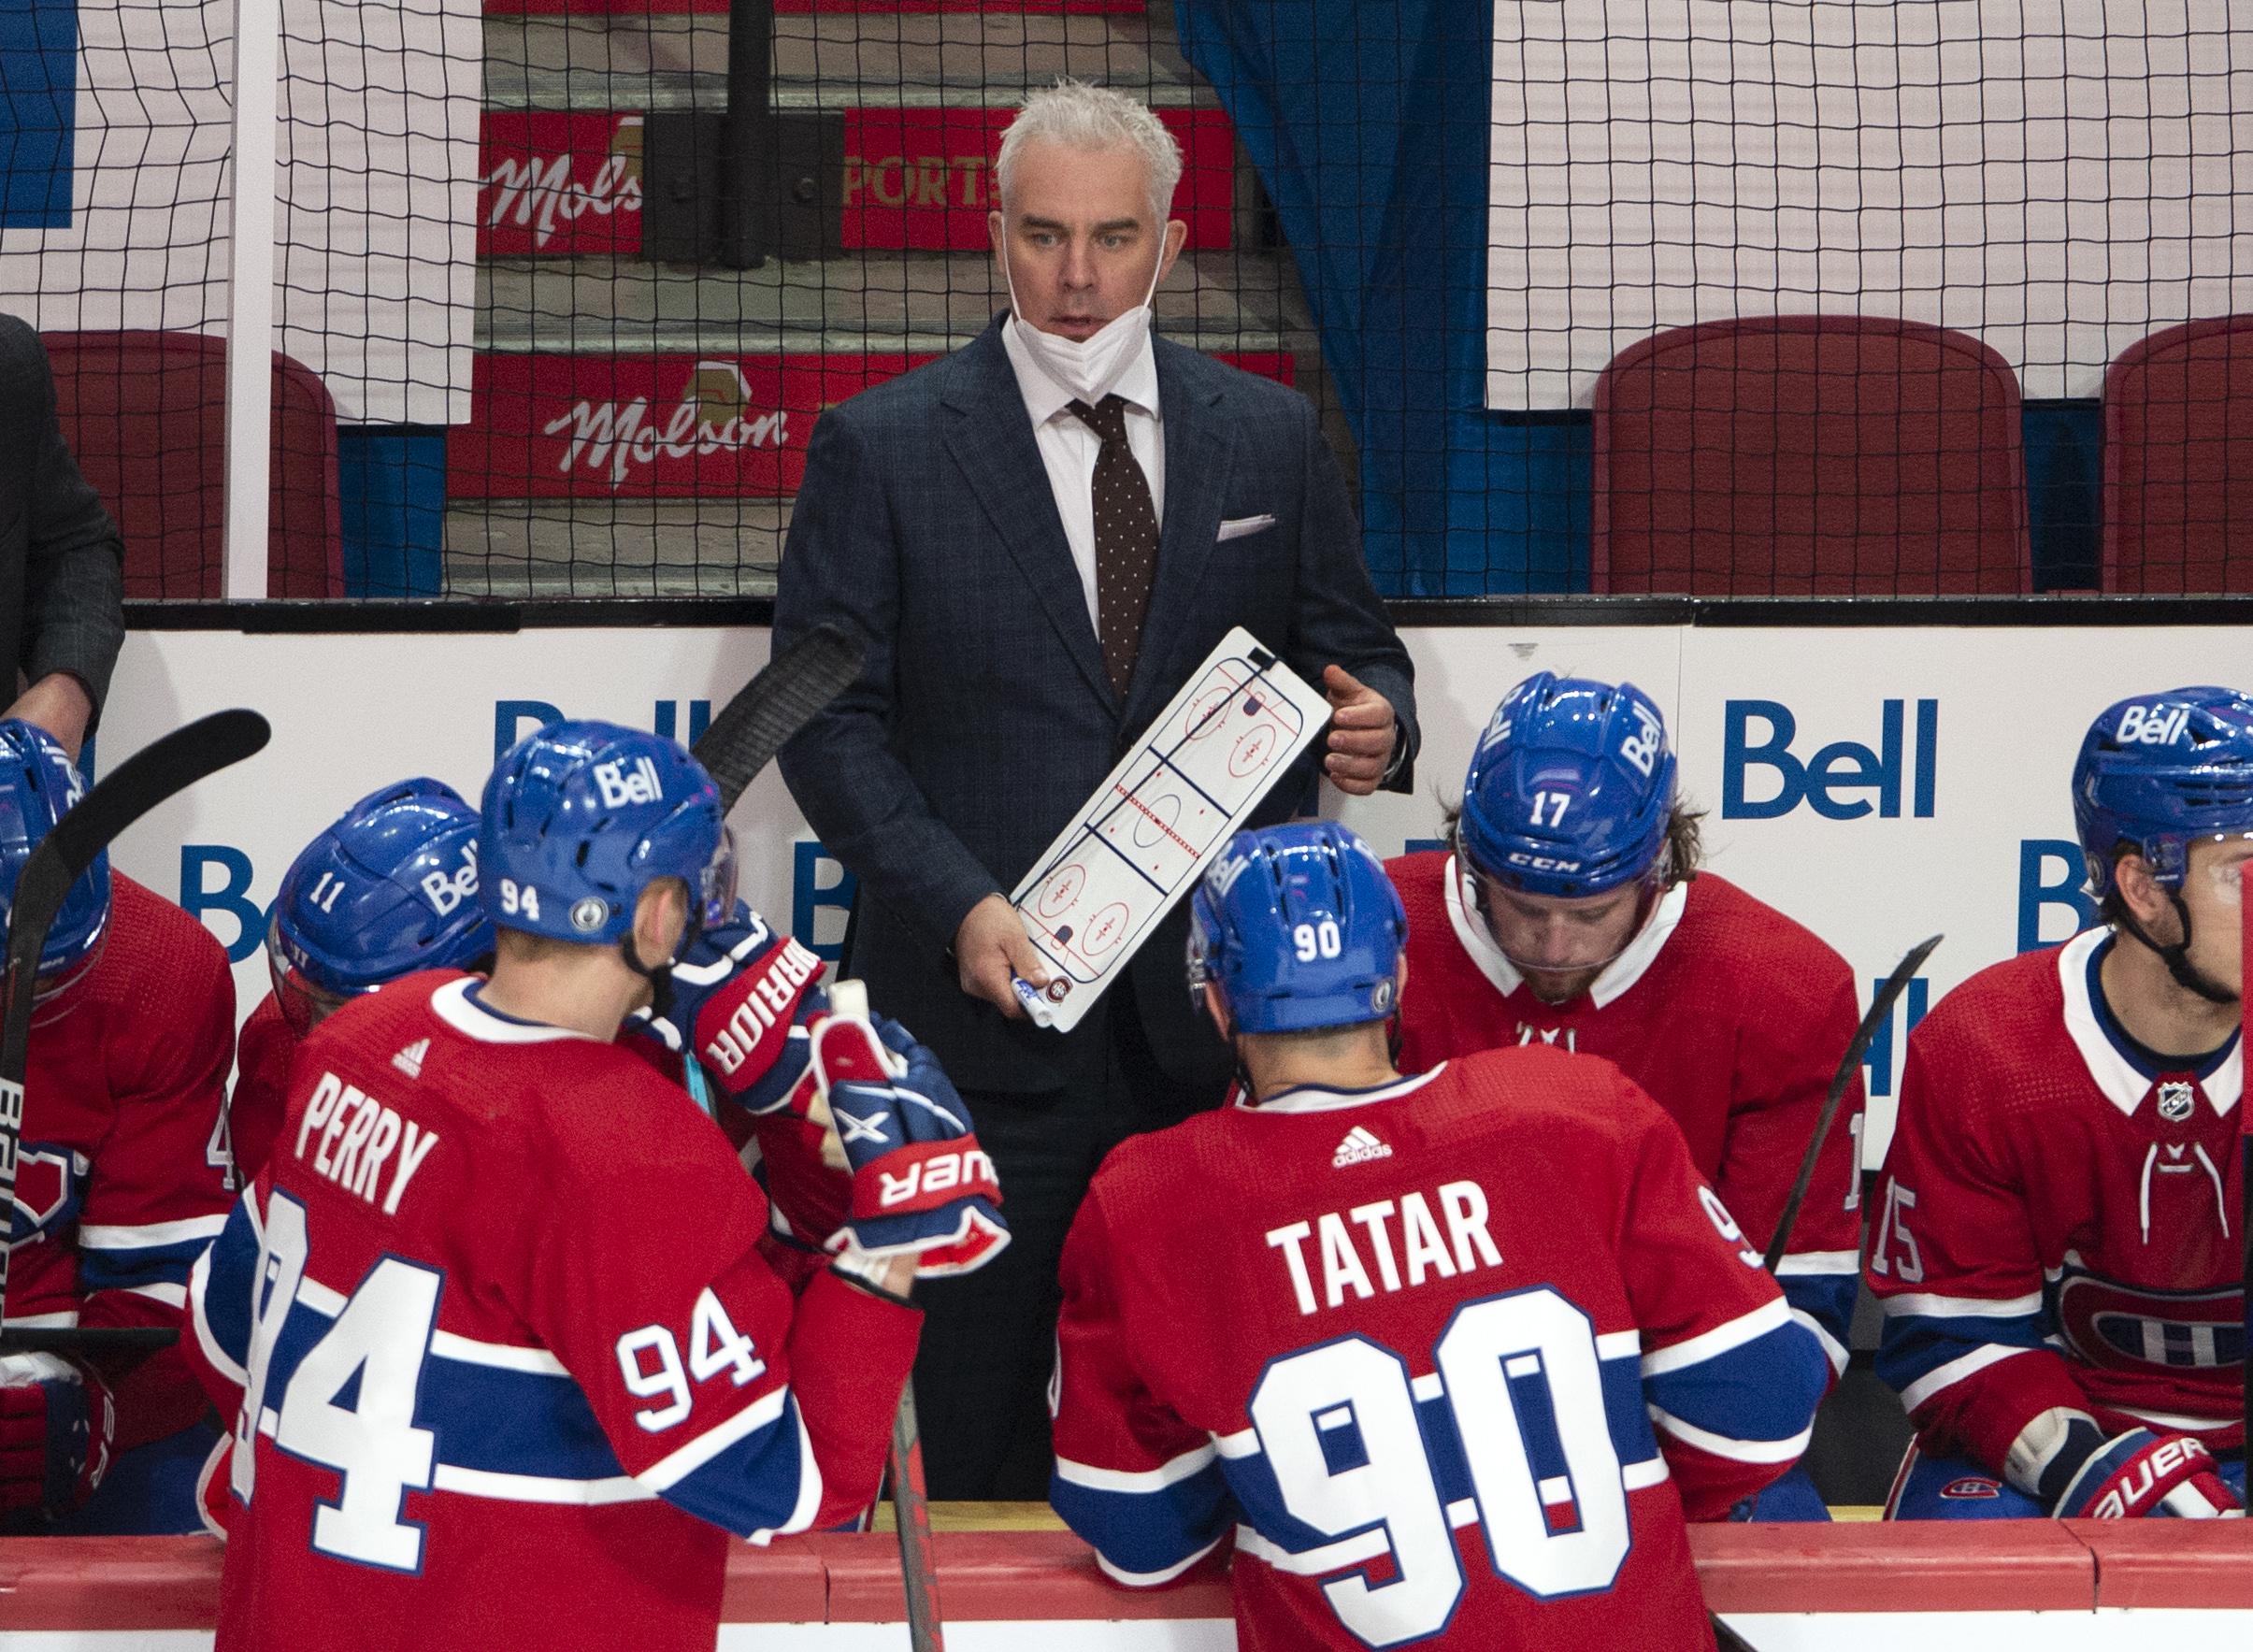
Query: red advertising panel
pixel 917 178
pixel 558 183
pixel 669 427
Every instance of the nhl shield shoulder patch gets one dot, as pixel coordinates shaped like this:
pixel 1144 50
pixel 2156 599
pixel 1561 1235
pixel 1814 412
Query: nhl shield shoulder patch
pixel 1360 1147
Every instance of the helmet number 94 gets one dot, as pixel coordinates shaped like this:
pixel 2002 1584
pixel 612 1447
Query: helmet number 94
pixel 520 897
pixel 1316 940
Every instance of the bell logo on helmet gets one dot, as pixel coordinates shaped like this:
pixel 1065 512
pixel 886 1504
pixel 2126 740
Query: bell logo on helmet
pixel 2152 725
pixel 621 785
pixel 588 915
pixel 446 893
pixel 1643 747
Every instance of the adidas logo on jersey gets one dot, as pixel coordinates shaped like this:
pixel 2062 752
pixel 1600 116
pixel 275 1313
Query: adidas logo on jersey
pixel 409 1060
pixel 1360 1147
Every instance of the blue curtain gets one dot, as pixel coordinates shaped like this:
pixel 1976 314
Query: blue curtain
pixel 1367 120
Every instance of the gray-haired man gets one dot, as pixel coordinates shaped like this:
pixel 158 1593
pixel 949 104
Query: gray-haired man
pixel 1041 537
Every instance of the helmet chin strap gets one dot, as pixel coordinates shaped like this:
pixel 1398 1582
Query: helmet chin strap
pixel 2188 975
pixel 660 976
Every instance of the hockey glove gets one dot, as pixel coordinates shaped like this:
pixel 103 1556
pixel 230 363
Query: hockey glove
pixel 921 1184
pixel 2141 1473
pixel 56 1423
pixel 734 1000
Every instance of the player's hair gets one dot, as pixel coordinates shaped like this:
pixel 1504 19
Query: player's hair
pixel 1094 117
pixel 1683 854
pixel 521 946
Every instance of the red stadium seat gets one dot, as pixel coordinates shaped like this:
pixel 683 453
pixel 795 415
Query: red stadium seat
pixel 2178 461
pixel 1809 456
pixel 145 413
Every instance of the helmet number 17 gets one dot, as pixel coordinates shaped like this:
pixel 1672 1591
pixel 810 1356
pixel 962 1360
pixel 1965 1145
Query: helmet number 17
pixel 1553 801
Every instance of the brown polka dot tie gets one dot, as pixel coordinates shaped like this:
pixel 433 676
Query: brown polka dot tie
pixel 1125 540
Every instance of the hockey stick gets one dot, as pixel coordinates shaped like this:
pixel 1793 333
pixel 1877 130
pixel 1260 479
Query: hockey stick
pixel 911 1511
pixel 157 771
pixel 782 699
pixel 911 1514
pixel 1880 1008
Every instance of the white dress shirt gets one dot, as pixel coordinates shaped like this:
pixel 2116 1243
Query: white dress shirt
pixel 1069 448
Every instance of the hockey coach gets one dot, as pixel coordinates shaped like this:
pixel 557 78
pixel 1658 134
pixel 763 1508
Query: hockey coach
pixel 1041 538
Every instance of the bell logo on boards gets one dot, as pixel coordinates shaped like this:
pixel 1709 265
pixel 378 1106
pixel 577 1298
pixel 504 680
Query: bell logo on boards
pixel 1842 780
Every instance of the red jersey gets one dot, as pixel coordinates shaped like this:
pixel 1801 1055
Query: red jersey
pixel 263 1050
pixel 2058 1224
pixel 1409 1345
pixel 1729 1014
pixel 505 1361
pixel 123 1174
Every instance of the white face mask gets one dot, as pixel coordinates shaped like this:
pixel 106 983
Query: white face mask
pixel 1089 367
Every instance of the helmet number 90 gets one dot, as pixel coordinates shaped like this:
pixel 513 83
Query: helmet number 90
pixel 520 897
pixel 1316 940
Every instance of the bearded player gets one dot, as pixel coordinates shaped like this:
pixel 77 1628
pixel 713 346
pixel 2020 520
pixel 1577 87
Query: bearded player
pixel 1569 911
pixel 506 1362
pixel 1407 1339
pixel 390 888
pixel 121 1179
pixel 2056 1251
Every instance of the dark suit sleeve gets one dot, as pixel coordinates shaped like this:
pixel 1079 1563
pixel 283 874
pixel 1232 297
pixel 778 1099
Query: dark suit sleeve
pixel 842 563
pixel 74 587
pixel 1340 619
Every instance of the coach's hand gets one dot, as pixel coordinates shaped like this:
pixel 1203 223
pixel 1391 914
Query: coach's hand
pixel 1361 733
pixel 990 947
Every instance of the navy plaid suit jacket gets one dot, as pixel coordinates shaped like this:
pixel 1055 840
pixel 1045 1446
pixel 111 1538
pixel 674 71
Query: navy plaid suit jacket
pixel 984 718
pixel 62 563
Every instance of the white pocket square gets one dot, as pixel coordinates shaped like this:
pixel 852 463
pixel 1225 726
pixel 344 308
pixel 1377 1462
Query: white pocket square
pixel 1242 525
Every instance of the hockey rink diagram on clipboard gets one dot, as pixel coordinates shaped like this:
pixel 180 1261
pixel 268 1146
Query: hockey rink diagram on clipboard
pixel 1162 814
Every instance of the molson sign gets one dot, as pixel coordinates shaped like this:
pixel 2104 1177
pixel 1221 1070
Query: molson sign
pixel 919 177
pixel 558 183
pixel 667 426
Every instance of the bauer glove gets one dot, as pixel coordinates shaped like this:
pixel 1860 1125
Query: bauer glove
pixel 56 1423
pixel 921 1184
pixel 2141 1473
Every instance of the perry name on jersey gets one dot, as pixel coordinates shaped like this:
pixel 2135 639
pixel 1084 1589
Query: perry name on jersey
pixel 1425 1382
pixel 1728 1013
pixel 502 1337
pixel 2058 1224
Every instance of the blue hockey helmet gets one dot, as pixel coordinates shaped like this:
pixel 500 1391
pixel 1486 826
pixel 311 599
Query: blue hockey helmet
pixel 389 889
pixel 1569 788
pixel 581 817
pixel 2159 772
pixel 38 782
pixel 1300 927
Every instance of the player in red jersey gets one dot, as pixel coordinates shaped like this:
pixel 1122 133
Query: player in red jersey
pixel 1408 1338
pixel 505 1359
pixel 2056 1250
pixel 390 888
pixel 1571 912
pixel 121 1179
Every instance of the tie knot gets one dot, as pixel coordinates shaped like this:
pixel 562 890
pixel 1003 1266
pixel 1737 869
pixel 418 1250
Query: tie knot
pixel 1107 418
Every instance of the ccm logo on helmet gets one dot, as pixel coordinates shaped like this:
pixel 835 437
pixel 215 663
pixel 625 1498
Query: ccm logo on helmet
pixel 1541 863
pixel 622 786
pixel 2152 725
pixel 445 893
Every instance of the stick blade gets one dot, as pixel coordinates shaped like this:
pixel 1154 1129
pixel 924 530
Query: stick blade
pixel 782 699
